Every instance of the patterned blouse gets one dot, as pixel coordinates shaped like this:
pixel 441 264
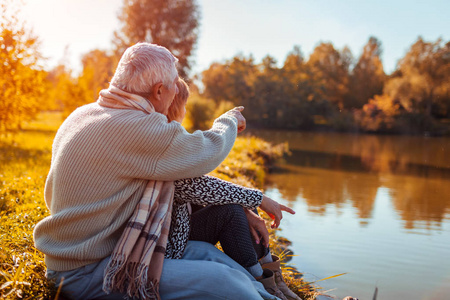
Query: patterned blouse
pixel 205 190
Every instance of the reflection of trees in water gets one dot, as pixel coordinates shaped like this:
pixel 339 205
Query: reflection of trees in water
pixel 319 191
pixel 405 155
pixel 362 191
pixel 320 188
pixel 375 153
pixel 329 168
pixel 286 180
pixel 419 200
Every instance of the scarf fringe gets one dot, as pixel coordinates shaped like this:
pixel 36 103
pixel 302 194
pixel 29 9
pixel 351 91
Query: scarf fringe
pixel 145 289
pixel 131 278
pixel 113 273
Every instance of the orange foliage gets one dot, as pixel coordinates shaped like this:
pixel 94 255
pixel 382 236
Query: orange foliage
pixel 22 81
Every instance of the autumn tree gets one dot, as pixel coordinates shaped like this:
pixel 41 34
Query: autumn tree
pixel 368 77
pixel 59 78
pixel 170 23
pixel 22 80
pixel 294 71
pixel 294 63
pixel 422 82
pixel 98 69
pixel 231 80
pixel 305 93
pixel 67 92
pixel 267 103
pixel 330 69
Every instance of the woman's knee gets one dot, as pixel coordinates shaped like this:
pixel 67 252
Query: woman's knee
pixel 231 212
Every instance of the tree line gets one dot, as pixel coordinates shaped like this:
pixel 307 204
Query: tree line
pixel 331 89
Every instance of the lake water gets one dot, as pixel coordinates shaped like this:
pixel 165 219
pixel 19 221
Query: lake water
pixel 374 207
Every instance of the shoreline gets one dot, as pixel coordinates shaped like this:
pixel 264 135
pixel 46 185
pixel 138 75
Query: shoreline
pixel 248 164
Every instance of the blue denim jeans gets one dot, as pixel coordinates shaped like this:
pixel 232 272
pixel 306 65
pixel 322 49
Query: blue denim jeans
pixel 204 272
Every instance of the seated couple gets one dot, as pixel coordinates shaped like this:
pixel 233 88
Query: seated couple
pixel 132 213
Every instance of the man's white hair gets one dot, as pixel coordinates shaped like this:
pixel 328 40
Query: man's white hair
pixel 142 66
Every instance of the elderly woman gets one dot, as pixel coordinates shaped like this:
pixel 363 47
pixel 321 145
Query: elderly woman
pixel 110 188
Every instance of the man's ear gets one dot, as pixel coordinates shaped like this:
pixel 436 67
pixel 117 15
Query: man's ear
pixel 157 91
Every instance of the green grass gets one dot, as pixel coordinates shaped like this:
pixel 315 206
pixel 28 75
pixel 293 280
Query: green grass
pixel 24 164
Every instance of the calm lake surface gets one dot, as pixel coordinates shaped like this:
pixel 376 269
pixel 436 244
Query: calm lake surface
pixel 374 207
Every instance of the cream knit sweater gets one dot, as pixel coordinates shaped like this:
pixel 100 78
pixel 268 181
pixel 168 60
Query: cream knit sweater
pixel 102 159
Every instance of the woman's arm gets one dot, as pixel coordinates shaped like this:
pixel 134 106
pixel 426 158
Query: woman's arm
pixel 208 190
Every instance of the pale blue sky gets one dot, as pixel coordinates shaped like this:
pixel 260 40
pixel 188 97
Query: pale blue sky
pixel 257 27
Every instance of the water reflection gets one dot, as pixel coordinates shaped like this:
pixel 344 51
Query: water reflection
pixel 367 161
pixel 418 200
pixel 328 170
pixel 374 207
pixel 321 188
pixel 380 153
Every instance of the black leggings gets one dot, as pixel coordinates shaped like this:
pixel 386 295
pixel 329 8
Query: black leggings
pixel 228 225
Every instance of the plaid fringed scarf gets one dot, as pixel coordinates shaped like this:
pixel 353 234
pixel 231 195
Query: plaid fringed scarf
pixel 136 263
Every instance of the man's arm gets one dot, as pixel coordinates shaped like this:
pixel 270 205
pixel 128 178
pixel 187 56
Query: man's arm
pixel 191 155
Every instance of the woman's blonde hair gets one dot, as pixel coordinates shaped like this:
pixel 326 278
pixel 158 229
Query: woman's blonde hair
pixel 179 101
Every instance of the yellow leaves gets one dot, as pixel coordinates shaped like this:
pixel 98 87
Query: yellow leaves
pixel 386 104
pixel 379 113
pixel 98 69
pixel 422 85
pixel 20 76
pixel 330 68
pixel 67 92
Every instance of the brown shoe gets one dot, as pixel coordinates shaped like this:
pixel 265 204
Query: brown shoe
pixel 282 286
pixel 269 284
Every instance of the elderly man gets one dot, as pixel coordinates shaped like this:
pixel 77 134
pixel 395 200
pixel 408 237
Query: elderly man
pixel 104 156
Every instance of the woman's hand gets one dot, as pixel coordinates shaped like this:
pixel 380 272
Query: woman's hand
pixel 258 228
pixel 274 210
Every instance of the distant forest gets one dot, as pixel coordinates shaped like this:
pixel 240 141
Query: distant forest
pixel 329 90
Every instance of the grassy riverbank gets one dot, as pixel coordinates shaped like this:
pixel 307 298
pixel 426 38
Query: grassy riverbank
pixel 24 163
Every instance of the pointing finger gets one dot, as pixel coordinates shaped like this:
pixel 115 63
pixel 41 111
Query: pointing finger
pixel 287 209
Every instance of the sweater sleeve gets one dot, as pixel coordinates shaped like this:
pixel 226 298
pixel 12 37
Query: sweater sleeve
pixel 192 155
pixel 207 190
pixel 150 148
